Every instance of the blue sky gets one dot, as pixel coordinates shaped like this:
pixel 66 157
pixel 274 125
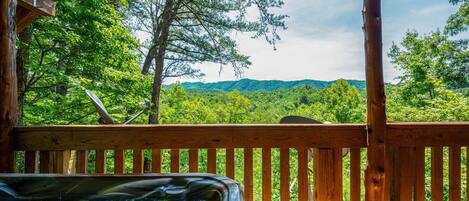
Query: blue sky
pixel 324 40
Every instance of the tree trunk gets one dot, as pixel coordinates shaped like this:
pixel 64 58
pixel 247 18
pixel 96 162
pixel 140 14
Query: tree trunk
pixel 159 62
pixel 22 60
pixel 8 89
pixel 149 59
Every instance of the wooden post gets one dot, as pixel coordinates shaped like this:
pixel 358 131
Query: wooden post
pixel 375 179
pixel 8 95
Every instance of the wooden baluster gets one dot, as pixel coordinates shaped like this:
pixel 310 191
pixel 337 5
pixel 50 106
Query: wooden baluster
pixel 355 170
pixel 119 161
pixel 100 161
pixel 44 166
pixel 327 174
pixel 266 174
pixel 455 173
pixel 406 173
pixel 248 177
pixel 175 160
pixel 419 193
pixel 156 161
pixel 138 161
pixel 30 161
pixel 284 174
pixel 212 161
pixel 230 172
pixel 303 186
pixel 193 160
pixel 437 173
pixel 82 162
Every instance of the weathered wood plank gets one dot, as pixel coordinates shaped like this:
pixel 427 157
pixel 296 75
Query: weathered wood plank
pixel 284 174
pixel 248 175
pixel 137 161
pixel 187 136
pixel 375 176
pixel 419 189
pixel 44 162
pixel 212 161
pixel 42 7
pixel 428 134
pixel 156 161
pixel 455 173
pixel 30 161
pixel 355 170
pixel 193 160
pixel 303 180
pixel 406 173
pixel 230 164
pixel 437 174
pixel 8 82
pixel 175 160
pixel 82 162
pixel 327 174
pixel 100 161
pixel 119 161
pixel 266 174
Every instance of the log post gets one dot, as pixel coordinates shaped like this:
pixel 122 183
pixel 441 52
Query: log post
pixel 8 95
pixel 375 177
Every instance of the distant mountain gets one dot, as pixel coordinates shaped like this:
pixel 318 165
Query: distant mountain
pixel 248 85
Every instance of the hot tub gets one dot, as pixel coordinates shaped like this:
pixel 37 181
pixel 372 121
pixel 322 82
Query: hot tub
pixel 158 187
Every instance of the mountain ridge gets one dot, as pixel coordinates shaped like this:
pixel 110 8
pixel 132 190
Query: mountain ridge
pixel 251 85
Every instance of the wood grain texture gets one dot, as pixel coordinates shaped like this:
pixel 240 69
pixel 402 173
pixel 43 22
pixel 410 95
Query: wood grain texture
pixel 406 173
pixel 156 161
pixel 24 18
pixel 266 174
pixel 327 174
pixel 248 175
pixel 212 161
pixel 284 174
pixel 355 174
pixel 100 161
pixel 377 187
pixel 119 161
pixel 187 136
pixel 230 164
pixel 30 161
pixel 193 160
pixel 8 84
pixel 437 174
pixel 428 134
pixel 455 173
pixel 44 162
pixel 82 162
pixel 175 160
pixel 419 188
pixel 42 7
pixel 303 180
pixel 137 161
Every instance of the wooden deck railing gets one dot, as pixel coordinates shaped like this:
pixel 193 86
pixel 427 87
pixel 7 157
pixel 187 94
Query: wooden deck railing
pixel 407 144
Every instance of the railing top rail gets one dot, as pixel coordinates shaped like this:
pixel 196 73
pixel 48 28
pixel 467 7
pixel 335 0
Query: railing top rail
pixel 187 136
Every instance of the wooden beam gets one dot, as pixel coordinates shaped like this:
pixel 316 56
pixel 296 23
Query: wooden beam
pixel 375 180
pixel 428 134
pixel 41 7
pixel 8 94
pixel 187 136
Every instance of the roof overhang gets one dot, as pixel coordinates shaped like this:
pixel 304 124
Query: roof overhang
pixel 28 10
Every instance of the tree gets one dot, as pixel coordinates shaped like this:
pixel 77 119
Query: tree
pixel 85 46
pixel 187 32
pixel 459 21
pixel 431 60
